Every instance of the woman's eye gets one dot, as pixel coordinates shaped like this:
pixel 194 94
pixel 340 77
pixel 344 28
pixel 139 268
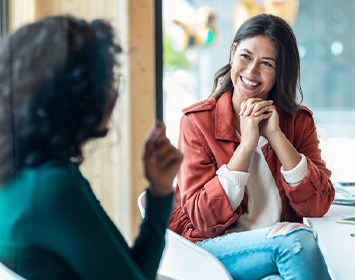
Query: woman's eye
pixel 245 56
pixel 266 63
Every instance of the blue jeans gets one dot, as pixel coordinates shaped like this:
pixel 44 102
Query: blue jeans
pixel 286 254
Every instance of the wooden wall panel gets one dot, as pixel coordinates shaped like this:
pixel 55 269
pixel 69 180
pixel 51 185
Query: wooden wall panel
pixel 88 9
pixel 142 87
pixel 20 12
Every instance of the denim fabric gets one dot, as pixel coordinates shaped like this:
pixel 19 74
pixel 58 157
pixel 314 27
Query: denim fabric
pixel 258 254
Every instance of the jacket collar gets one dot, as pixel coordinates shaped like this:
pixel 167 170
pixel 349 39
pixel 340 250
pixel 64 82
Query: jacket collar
pixel 224 124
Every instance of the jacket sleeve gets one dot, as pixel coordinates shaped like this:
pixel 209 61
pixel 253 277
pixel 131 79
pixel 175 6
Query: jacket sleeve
pixel 315 193
pixel 202 197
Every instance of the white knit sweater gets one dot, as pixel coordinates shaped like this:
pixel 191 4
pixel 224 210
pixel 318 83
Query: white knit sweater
pixel 264 204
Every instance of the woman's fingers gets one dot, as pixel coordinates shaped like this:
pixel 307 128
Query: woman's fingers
pixel 161 161
pixel 265 109
pixel 158 132
pixel 255 106
pixel 159 152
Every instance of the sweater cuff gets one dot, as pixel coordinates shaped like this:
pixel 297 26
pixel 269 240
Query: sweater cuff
pixel 236 177
pixel 294 176
pixel 233 184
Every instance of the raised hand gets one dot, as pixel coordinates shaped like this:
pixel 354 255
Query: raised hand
pixel 161 161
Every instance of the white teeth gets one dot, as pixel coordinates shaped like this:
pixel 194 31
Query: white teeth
pixel 249 83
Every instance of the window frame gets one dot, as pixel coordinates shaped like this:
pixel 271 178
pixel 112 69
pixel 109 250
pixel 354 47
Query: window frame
pixel 158 20
pixel 3 18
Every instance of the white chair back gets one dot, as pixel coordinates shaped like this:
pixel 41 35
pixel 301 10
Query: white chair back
pixel 184 260
pixel 8 274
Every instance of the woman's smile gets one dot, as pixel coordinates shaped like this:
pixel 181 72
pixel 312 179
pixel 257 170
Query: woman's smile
pixel 249 84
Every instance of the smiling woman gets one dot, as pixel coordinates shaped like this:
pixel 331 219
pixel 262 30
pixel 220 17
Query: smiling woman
pixel 252 167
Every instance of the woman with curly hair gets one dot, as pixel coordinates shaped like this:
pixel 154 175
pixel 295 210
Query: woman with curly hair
pixel 57 91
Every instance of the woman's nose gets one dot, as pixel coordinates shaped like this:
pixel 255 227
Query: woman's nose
pixel 253 68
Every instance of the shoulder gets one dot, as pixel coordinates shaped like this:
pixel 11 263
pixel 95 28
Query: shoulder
pixel 204 105
pixel 303 116
pixel 200 114
pixel 221 100
pixel 304 110
pixel 57 172
pixel 55 181
pixel 300 121
pixel 47 189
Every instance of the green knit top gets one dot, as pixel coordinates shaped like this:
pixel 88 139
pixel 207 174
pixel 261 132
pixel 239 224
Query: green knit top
pixel 53 227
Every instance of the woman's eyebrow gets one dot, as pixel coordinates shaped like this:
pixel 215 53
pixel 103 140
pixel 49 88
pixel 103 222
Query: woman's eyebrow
pixel 266 57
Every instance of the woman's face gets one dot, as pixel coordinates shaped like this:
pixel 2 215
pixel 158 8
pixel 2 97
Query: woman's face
pixel 112 98
pixel 253 70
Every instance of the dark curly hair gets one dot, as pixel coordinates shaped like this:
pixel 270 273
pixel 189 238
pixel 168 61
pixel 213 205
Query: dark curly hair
pixel 56 76
pixel 284 92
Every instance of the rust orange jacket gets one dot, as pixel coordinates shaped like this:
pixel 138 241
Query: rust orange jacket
pixel 208 139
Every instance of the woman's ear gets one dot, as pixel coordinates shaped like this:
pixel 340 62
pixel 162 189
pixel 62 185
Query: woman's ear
pixel 233 47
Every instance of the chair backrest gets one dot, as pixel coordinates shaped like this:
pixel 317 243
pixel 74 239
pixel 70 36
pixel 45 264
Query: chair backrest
pixel 7 274
pixel 184 260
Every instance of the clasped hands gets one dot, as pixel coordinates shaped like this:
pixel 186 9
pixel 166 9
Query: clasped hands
pixel 258 117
